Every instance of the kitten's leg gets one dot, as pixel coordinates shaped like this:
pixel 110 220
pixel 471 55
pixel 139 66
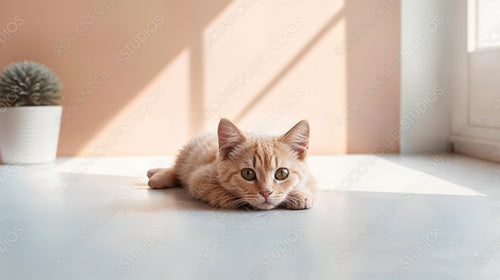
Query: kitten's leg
pixel 152 172
pixel 299 200
pixel 160 178
pixel 203 185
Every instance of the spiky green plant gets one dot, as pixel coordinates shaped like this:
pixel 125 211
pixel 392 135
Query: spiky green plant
pixel 28 84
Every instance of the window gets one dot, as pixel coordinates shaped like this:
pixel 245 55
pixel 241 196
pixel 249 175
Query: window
pixel 487 24
pixel 476 122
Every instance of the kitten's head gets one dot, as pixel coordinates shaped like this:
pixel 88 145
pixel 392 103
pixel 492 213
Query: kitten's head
pixel 262 170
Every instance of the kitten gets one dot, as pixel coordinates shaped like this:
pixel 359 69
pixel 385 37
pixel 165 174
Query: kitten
pixel 234 169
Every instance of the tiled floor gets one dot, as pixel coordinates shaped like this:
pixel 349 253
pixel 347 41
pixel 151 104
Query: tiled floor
pixel 389 217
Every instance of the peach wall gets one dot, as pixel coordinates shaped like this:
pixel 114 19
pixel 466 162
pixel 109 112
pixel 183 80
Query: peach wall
pixel 141 79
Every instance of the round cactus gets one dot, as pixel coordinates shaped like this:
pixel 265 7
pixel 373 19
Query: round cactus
pixel 28 84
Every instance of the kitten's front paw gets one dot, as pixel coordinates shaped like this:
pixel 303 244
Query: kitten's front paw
pixel 299 200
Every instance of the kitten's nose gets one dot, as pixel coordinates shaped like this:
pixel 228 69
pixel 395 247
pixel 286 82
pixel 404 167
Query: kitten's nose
pixel 265 194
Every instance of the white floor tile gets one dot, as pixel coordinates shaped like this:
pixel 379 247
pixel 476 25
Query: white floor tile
pixel 376 217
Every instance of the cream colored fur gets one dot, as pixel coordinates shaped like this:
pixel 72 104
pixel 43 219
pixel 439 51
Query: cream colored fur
pixel 210 167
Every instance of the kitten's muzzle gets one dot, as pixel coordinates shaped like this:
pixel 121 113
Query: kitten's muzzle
pixel 266 194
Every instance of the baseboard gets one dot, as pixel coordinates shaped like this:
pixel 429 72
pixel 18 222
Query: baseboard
pixel 476 147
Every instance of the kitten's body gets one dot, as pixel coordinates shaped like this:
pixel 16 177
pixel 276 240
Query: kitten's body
pixel 210 167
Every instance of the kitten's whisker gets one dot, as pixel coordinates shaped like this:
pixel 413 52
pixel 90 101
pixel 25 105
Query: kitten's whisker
pixel 233 198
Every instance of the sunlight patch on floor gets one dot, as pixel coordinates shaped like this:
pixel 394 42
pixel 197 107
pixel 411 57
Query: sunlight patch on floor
pixel 366 173
pixel 375 174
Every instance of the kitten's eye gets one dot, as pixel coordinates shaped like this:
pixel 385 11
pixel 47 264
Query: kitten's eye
pixel 248 174
pixel 281 174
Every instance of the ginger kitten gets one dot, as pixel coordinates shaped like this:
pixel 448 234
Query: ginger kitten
pixel 233 169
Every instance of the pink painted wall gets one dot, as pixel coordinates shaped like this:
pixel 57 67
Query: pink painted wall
pixel 141 79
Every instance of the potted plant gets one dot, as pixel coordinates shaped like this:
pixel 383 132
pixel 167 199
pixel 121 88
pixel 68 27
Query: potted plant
pixel 29 117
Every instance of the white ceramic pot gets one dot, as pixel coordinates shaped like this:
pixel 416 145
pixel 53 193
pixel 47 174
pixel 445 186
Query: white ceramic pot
pixel 29 134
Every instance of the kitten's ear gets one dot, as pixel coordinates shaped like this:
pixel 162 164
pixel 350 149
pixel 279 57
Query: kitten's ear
pixel 298 138
pixel 229 137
